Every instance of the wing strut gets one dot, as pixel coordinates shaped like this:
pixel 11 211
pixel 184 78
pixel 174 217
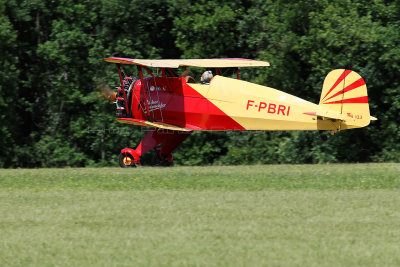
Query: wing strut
pixel 146 104
pixel 123 90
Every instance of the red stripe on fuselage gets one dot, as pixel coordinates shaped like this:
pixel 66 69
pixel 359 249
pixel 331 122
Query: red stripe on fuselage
pixel 201 112
pixel 183 106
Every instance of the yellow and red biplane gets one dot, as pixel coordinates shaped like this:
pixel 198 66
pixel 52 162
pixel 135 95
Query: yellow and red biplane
pixel 174 106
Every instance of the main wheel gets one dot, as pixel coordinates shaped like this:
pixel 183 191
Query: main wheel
pixel 126 160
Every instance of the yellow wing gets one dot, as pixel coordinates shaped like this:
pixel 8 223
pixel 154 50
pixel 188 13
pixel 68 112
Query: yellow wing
pixel 160 125
pixel 203 63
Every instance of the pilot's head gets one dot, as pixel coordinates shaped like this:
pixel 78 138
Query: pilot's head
pixel 206 76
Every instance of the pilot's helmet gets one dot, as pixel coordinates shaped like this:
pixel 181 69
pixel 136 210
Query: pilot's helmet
pixel 206 76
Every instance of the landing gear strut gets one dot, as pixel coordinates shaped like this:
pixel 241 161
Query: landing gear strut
pixel 163 155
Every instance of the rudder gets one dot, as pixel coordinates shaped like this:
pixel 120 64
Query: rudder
pixel 345 91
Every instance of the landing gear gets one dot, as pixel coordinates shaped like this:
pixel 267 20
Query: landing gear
pixel 169 139
pixel 126 160
pixel 161 160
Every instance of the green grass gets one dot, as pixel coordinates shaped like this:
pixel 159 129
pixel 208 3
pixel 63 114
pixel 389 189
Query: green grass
pixel 279 215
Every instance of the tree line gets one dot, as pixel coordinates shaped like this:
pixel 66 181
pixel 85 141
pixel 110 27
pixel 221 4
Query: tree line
pixel 51 58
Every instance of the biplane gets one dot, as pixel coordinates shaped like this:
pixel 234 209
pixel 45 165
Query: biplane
pixel 174 106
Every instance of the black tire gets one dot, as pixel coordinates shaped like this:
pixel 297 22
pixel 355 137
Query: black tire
pixel 126 160
pixel 155 161
pixel 160 160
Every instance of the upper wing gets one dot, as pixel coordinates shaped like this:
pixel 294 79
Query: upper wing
pixel 205 63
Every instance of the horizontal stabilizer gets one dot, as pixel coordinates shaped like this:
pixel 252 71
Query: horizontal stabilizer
pixel 334 116
pixel 160 125
pixel 328 115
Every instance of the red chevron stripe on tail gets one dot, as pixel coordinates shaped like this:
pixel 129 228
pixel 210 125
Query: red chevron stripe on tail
pixel 355 85
pixel 339 80
pixel 355 100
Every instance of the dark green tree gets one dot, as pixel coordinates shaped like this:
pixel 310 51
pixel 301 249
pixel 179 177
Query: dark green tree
pixel 51 58
pixel 8 88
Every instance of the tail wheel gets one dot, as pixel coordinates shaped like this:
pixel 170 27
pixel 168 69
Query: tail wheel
pixel 126 160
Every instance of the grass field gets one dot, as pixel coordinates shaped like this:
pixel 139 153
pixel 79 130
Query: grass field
pixel 277 215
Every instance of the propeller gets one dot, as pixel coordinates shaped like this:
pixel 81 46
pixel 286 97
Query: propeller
pixel 107 93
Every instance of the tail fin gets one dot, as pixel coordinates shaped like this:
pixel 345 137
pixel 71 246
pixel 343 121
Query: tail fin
pixel 345 91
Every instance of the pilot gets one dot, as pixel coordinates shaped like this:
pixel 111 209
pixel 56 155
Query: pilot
pixel 206 77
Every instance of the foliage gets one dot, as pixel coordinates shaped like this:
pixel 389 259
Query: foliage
pixel 8 85
pixel 51 58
